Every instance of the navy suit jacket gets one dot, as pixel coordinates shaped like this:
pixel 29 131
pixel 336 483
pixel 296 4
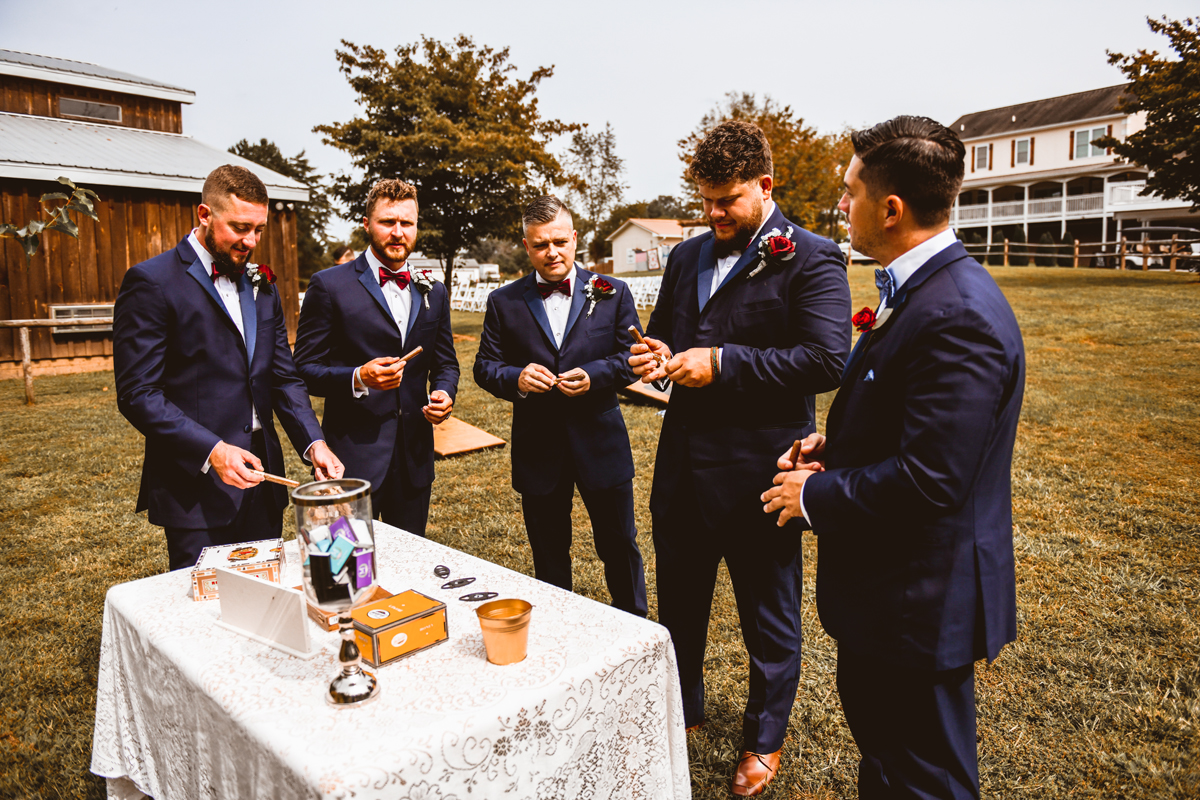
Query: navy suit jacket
pixel 553 434
pixel 914 511
pixel 785 334
pixel 346 322
pixel 186 380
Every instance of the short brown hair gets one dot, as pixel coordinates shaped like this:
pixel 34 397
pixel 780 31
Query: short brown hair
pixel 918 159
pixel 392 189
pixel 735 150
pixel 230 179
pixel 542 210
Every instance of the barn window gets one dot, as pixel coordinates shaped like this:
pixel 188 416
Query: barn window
pixel 86 109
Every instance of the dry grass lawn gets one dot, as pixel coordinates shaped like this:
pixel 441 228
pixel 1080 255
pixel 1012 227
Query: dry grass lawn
pixel 1098 698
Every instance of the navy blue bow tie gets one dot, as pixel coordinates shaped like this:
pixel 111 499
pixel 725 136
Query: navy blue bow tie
pixel 883 280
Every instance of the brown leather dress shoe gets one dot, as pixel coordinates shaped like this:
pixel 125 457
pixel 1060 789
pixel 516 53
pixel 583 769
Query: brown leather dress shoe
pixel 754 772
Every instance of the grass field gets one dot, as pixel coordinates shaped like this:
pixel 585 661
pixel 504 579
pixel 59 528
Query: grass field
pixel 1098 698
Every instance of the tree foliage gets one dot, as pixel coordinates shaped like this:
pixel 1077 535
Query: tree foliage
pixel 808 165
pixel 59 206
pixel 452 120
pixel 662 207
pixel 596 175
pixel 509 256
pixel 1168 90
pixel 312 244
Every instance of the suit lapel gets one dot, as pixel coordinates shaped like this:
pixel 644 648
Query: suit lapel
pixel 249 316
pixel 577 301
pixel 708 265
pixel 196 270
pixel 750 254
pixel 533 299
pixel 416 307
pixel 372 286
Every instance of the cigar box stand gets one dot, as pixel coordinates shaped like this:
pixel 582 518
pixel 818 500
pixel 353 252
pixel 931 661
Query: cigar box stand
pixel 337 555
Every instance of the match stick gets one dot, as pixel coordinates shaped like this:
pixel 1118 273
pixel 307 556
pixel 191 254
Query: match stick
pixel 795 454
pixel 637 335
pixel 416 352
pixel 266 476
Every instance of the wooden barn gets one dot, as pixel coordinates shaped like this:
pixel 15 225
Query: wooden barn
pixel 122 137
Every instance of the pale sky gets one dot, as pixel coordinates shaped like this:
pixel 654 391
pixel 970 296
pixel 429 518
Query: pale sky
pixel 652 69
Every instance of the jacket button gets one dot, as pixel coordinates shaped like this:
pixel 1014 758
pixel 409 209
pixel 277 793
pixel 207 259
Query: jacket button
pixel 246 429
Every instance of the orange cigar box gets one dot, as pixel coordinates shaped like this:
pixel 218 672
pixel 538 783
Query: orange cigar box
pixel 262 559
pixel 329 619
pixel 399 626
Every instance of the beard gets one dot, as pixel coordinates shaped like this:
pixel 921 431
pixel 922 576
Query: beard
pixel 742 233
pixel 224 262
pixel 381 245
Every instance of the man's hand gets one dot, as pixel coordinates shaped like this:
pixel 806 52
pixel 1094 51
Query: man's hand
pixel 439 408
pixel 574 383
pixel 382 373
pixel 536 379
pixel 786 494
pixel 326 465
pixel 229 463
pixel 691 368
pixel 643 360
pixel 811 457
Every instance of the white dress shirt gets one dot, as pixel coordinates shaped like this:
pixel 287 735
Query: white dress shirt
pixel 901 270
pixel 725 264
pixel 558 307
pixel 399 303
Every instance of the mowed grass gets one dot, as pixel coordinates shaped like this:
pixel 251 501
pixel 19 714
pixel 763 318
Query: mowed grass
pixel 1097 698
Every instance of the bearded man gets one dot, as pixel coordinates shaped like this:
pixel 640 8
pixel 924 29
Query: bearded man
pixel 752 321
pixel 202 362
pixel 358 320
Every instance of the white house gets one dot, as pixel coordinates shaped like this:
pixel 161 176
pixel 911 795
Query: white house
pixel 1034 166
pixel 643 244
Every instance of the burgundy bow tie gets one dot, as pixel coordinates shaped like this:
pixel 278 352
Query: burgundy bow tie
pixel 233 273
pixel 547 289
pixel 402 278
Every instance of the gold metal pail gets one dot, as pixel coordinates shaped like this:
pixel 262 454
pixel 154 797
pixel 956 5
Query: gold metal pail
pixel 505 625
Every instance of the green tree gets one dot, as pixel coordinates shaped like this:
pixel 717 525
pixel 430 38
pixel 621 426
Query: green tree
pixel 312 245
pixel 1018 253
pixel 1168 90
pixel 509 256
pixel 453 121
pixel 596 173
pixel 808 165
pixel 1044 256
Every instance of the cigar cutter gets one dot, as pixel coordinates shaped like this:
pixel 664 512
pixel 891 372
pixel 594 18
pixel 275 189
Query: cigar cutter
pixel 475 597
pixel 457 582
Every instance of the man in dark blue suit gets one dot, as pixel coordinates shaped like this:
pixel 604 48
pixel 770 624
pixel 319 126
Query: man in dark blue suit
pixel 358 319
pixel 751 322
pixel 202 362
pixel 554 345
pixel 910 495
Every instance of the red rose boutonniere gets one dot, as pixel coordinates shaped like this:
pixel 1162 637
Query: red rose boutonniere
pixel 597 289
pixel 260 275
pixel 776 246
pixel 864 320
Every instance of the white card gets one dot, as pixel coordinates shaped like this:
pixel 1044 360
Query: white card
pixel 265 611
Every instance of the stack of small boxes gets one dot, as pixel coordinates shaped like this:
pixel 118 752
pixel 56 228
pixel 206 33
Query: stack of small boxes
pixel 341 560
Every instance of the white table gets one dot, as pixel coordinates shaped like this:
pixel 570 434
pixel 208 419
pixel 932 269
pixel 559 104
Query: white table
pixel 186 708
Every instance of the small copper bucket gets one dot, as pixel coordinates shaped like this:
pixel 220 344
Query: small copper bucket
pixel 505 625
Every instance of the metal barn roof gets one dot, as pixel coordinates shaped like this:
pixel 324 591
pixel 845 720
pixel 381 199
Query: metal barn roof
pixel 41 148
pixel 80 73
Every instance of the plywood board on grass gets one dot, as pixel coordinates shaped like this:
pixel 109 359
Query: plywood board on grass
pixel 454 437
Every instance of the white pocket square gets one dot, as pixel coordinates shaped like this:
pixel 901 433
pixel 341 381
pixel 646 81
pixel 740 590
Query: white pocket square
pixel 870 376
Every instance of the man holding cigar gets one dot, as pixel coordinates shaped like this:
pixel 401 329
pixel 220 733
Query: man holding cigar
pixel 554 345
pixel 751 322
pixel 374 337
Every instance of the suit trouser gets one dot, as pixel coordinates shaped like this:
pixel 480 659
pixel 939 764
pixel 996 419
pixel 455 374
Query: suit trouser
pixel 914 728
pixel 765 564
pixel 548 525
pixel 396 501
pixel 256 518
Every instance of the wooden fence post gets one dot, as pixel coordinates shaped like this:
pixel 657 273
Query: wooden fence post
pixel 1174 247
pixel 1075 264
pixel 26 364
pixel 1006 251
pixel 1121 253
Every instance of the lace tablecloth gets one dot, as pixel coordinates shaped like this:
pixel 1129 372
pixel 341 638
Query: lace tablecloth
pixel 186 708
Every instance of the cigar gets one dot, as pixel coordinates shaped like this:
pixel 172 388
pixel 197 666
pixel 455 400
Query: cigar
pixel 416 352
pixel 795 454
pixel 266 476
pixel 638 337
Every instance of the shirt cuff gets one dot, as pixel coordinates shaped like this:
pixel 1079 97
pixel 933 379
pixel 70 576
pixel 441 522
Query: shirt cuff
pixel 803 511
pixel 522 395
pixel 208 461
pixel 355 382
pixel 308 450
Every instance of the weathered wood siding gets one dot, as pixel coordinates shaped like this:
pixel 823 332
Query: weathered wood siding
pixel 135 224
pixel 31 96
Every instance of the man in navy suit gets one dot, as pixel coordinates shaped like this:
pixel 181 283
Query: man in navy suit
pixel 202 362
pixel 752 321
pixel 358 319
pixel 910 495
pixel 554 345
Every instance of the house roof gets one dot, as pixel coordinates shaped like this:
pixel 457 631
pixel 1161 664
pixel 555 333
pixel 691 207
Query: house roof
pixel 41 148
pixel 668 228
pixel 80 73
pixel 1093 104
